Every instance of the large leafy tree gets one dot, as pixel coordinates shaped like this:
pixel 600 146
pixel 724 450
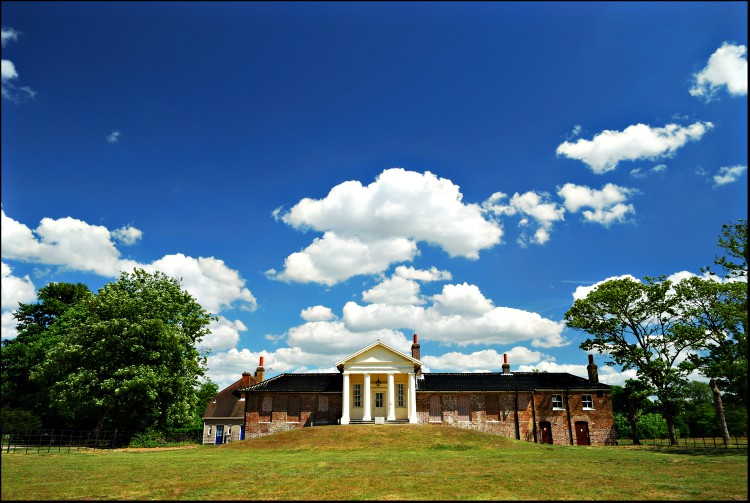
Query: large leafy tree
pixel 126 358
pixel 717 313
pixel 637 325
pixel 29 348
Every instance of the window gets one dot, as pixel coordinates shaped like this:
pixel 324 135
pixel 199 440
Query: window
pixel 293 408
pixel 400 402
pixel 209 431
pixel 436 409
pixel 557 402
pixel 464 408
pixel 492 406
pixel 588 402
pixel 323 404
pixel 378 400
pixel 267 404
pixel 358 395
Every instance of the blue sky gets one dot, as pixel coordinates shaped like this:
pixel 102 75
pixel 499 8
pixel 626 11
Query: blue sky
pixel 321 175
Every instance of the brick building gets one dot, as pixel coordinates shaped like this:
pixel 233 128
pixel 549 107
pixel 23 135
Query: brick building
pixel 379 384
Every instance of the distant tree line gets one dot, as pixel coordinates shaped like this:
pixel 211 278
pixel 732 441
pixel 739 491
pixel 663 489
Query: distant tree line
pixel 124 358
pixel 667 332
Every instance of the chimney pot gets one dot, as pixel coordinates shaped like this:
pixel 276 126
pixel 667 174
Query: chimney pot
pixel 261 362
pixel 506 365
pixel 245 379
pixel 593 370
pixel 415 353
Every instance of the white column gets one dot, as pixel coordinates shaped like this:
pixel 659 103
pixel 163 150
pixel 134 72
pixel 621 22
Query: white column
pixel 366 398
pixel 345 401
pixel 412 399
pixel 391 401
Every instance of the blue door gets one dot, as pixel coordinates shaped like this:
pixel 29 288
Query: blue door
pixel 242 433
pixel 219 434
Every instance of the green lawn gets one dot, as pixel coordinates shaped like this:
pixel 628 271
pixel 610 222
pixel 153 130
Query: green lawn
pixel 380 463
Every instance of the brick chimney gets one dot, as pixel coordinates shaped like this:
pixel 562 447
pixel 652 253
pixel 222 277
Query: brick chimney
pixel 246 380
pixel 506 365
pixel 592 368
pixel 415 348
pixel 260 371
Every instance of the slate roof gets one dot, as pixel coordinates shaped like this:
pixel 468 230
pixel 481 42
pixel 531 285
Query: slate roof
pixel 478 381
pixel 497 381
pixel 226 403
pixel 328 382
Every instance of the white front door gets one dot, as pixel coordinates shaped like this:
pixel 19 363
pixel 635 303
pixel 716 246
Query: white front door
pixel 378 404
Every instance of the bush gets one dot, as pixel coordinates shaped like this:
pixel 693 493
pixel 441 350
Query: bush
pixel 166 438
pixel 19 421
pixel 652 426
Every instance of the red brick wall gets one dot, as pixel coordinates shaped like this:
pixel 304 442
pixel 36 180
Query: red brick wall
pixel 304 408
pixel 502 420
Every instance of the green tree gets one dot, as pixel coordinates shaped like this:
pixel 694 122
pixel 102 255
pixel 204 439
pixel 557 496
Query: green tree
pixel 29 348
pixel 637 325
pixel 126 357
pixel 205 393
pixel 698 409
pixel 631 401
pixel 716 313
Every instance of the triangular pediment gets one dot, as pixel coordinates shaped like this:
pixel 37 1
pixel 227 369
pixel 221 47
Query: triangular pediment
pixel 378 353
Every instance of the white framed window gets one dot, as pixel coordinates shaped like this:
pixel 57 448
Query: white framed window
pixel 400 396
pixel 358 395
pixel 557 402
pixel 588 402
pixel 209 431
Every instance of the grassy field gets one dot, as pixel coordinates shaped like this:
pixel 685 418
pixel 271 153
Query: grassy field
pixel 380 463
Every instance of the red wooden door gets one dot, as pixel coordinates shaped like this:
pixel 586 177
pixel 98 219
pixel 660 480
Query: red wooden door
pixel 582 433
pixel 546 428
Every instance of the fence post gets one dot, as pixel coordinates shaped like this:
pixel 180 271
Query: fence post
pixel 114 439
pixel 714 439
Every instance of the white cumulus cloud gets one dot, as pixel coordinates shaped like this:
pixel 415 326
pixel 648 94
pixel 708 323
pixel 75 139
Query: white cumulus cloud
pixel 9 74
pixel 113 137
pixel 728 174
pixel 225 334
pixel 608 205
pixel 73 244
pixel 368 228
pixel 15 289
pixel 639 141
pixel 127 235
pixel 726 68
pixel 536 205
pixel 317 313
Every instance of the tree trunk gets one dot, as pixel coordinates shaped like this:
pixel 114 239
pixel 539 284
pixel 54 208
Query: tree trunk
pixel 720 418
pixel 634 428
pixel 670 429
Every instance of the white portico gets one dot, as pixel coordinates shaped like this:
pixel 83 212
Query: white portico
pixel 379 382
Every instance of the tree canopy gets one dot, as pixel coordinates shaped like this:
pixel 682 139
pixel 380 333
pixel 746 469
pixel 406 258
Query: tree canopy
pixel 638 326
pixel 126 357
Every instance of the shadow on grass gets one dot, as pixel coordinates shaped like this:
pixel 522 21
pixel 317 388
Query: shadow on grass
pixel 699 451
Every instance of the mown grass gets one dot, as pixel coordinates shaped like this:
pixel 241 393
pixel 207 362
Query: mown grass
pixel 381 463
